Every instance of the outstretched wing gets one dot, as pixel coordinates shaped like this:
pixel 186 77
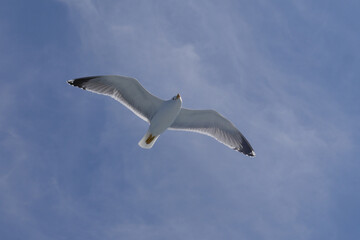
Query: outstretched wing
pixel 211 123
pixel 126 90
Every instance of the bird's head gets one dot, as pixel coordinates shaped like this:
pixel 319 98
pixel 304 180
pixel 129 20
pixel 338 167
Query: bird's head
pixel 177 97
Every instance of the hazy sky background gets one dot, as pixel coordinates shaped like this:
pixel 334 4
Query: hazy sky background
pixel 286 73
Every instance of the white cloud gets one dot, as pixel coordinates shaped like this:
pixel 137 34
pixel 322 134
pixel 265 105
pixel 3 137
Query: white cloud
pixel 190 185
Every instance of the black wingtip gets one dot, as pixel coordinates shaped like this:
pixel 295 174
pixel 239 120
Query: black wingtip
pixel 247 152
pixel 71 82
pixel 251 154
pixel 246 148
pixel 79 82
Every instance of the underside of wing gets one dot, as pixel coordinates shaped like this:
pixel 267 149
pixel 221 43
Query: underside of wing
pixel 213 124
pixel 126 90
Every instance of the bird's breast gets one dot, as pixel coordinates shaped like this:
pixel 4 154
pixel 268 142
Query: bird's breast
pixel 164 117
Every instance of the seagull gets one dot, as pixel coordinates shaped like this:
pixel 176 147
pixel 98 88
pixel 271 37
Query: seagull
pixel 164 114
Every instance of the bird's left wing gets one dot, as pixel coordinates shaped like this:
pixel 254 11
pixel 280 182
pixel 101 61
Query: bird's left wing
pixel 211 123
pixel 126 90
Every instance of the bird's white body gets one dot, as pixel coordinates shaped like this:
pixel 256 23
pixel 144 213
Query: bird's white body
pixel 161 121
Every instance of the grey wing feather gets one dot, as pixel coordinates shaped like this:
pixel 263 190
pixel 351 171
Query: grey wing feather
pixel 126 90
pixel 213 124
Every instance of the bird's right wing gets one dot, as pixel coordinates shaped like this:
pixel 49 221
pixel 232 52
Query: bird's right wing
pixel 211 123
pixel 126 90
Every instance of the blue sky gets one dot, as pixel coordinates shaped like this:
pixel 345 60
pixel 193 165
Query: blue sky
pixel 284 72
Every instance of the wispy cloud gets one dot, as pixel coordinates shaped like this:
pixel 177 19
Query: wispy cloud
pixel 73 160
pixel 219 62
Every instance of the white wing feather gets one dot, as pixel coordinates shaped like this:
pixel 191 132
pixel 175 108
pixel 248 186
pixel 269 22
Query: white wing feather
pixel 211 123
pixel 126 90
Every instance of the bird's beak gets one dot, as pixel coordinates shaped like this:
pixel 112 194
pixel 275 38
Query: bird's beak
pixel 177 96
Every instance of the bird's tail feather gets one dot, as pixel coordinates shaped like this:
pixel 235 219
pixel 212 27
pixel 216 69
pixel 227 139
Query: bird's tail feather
pixel 148 140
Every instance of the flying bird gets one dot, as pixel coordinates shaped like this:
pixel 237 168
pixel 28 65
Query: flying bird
pixel 164 114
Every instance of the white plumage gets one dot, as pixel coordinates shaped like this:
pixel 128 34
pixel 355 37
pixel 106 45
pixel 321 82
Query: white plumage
pixel 164 115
